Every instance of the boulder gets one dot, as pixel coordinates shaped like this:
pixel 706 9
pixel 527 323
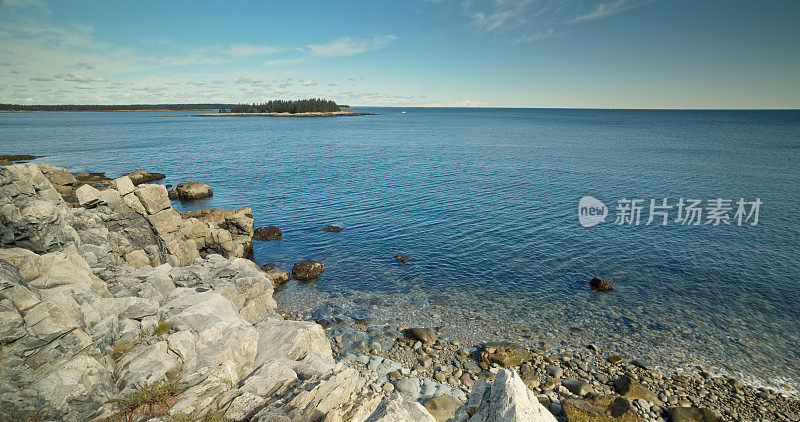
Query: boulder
pixel 692 414
pixel 278 277
pixel 267 233
pixel 604 408
pixel 332 229
pixel 307 270
pixel 138 177
pixel 505 354
pixel 153 197
pixel 577 387
pixel 507 399
pixel 137 258
pixel 443 408
pixel 395 409
pixel 188 191
pixel 123 185
pixel 427 336
pixel 628 387
pixel 88 196
pixel 599 285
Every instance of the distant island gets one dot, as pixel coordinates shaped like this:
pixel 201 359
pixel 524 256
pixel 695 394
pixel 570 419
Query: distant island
pixel 314 107
pixel 276 106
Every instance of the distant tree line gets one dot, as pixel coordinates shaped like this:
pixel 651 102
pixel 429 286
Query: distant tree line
pixel 126 107
pixel 285 106
pixel 274 106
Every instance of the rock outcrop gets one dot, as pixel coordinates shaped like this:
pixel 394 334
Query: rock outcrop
pixel 507 399
pixel 123 309
pixel 190 191
pixel 138 177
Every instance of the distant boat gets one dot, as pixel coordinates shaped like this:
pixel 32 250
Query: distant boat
pixel 402 112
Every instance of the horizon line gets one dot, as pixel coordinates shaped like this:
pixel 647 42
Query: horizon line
pixel 417 106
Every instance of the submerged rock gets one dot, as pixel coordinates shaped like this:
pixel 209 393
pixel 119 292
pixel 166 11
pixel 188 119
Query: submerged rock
pixel 401 258
pixel 267 233
pixel 599 285
pixel 190 190
pixel 427 336
pixel 505 354
pixel 307 270
pixel 331 229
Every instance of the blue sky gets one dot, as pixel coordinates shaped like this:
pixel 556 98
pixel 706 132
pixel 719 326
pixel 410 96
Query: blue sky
pixel 496 53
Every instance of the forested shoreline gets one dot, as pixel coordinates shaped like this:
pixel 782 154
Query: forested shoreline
pixel 274 106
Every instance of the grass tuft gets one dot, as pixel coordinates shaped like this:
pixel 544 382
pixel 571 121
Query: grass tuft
pixel 120 348
pixel 159 394
pixel 162 328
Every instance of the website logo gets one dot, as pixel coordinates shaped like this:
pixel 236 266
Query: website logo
pixel 591 211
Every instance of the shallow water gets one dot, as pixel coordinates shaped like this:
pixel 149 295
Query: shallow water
pixel 484 202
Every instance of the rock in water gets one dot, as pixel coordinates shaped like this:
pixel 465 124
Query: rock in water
pixel 427 336
pixel 505 354
pixel 191 190
pixel 401 258
pixel 307 270
pixel 268 233
pixel 267 267
pixel 138 177
pixel 331 229
pixel 599 285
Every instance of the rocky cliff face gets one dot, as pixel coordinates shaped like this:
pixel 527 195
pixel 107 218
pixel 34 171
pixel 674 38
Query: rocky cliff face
pixel 115 306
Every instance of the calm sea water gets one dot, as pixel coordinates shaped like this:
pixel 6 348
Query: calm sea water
pixel 484 202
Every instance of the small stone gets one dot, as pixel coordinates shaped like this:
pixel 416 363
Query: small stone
pixel 555 371
pixel 401 258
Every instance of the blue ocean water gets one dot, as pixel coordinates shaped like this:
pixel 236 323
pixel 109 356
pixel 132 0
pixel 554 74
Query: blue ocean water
pixel 484 203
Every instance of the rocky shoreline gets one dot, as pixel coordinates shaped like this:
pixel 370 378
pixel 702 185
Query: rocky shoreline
pixel 118 307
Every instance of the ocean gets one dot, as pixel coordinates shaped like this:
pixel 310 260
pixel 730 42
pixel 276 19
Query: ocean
pixel 484 202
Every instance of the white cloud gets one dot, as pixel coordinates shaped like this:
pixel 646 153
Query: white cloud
pixel 534 20
pixel 85 65
pixel 80 79
pixel 41 79
pixel 308 83
pixel 332 84
pixel 607 9
pixel 252 50
pixel 347 46
pixel 280 62
pixel 27 3
pixel 536 36
pixel 468 103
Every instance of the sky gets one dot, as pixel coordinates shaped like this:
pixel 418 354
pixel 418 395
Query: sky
pixel 460 53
